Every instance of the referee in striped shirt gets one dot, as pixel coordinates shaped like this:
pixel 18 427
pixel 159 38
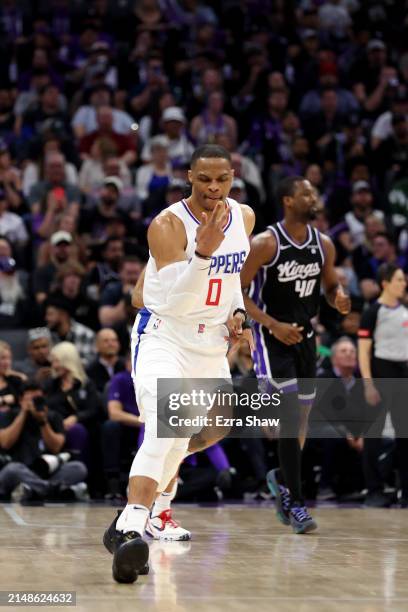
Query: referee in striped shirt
pixel 383 353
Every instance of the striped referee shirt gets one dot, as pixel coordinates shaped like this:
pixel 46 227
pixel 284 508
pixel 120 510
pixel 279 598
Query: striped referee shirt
pixel 388 328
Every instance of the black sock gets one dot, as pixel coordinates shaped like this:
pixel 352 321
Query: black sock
pixel 289 447
pixel 290 466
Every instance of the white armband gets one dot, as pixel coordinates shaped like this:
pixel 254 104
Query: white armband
pixel 183 282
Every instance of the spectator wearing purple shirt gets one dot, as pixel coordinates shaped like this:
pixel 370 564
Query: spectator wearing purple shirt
pixel 120 441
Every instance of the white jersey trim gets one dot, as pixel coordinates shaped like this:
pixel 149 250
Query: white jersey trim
pixel 188 211
pixel 295 244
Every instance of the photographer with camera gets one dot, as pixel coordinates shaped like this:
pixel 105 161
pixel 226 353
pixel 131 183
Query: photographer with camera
pixel 31 438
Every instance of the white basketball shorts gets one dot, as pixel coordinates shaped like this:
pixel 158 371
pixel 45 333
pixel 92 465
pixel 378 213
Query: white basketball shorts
pixel 162 350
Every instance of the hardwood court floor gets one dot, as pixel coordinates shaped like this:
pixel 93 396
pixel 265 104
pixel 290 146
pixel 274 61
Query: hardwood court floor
pixel 240 559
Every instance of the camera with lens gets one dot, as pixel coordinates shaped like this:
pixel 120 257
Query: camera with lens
pixel 39 403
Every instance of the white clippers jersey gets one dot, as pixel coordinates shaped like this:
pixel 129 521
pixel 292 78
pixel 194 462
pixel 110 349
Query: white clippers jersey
pixel 214 305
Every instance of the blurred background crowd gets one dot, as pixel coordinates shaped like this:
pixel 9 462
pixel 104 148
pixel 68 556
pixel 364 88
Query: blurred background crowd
pixel 101 105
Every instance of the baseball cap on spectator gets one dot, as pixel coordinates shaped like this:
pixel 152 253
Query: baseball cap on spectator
pixel 59 237
pixel 173 113
pixel 115 181
pixel 361 186
pixel 308 33
pixel 376 45
pixel 328 67
pixel 159 141
pixel 238 183
pixel 99 46
pixel 38 332
pixel 176 183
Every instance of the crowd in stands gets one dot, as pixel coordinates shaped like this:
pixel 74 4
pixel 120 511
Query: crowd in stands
pixel 101 105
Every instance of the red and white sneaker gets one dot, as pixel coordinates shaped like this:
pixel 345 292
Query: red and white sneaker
pixel 163 527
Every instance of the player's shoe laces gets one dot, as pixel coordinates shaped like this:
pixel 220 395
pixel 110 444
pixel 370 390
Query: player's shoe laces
pixel 164 527
pixel 130 553
pixel 301 520
pixel 282 496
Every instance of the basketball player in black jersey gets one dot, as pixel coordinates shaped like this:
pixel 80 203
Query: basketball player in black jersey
pixel 284 270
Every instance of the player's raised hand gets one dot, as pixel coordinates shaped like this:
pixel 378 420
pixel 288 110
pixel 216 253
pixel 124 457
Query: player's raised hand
pixel 342 301
pixel 210 233
pixel 288 333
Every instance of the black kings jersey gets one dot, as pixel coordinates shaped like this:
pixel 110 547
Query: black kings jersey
pixel 288 288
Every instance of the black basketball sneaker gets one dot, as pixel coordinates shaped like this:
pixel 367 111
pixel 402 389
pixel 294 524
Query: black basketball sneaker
pixel 301 520
pixel 130 553
pixel 282 496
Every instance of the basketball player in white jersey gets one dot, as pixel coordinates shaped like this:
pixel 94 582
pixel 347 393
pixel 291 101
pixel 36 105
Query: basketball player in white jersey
pixel 191 291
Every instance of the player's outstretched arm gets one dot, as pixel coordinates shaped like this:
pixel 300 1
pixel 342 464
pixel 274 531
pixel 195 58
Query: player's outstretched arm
pixel 333 291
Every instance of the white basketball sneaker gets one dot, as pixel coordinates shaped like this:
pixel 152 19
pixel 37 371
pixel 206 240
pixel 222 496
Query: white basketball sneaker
pixel 163 527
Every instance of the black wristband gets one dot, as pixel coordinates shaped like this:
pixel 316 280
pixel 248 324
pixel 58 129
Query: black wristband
pixel 202 256
pixel 242 311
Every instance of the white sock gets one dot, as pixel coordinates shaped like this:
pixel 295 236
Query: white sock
pixel 164 500
pixel 133 518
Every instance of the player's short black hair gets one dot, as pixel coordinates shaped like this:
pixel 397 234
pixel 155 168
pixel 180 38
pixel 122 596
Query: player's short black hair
pixel 286 187
pixel 386 271
pixel 208 151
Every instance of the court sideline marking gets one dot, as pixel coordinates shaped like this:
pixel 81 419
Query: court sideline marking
pixel 15 516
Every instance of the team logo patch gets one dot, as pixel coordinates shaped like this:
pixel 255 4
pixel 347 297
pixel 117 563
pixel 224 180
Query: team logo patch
pixel 292 271
pixel 156 324
pixel 201 328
